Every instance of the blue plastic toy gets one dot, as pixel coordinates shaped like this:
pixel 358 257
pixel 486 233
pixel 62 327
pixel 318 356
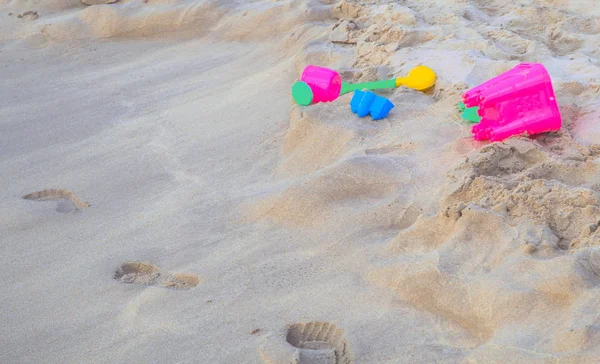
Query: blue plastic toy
pixel 364 103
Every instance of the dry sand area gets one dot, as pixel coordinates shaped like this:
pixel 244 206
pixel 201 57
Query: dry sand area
pixel 164 201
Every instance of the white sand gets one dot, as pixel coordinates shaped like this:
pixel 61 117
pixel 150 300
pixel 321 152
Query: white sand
pixel 402 239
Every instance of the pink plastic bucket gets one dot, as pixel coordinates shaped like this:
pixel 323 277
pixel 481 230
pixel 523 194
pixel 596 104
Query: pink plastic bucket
pixel 325 84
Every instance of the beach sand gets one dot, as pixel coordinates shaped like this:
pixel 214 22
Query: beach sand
pixel 291 234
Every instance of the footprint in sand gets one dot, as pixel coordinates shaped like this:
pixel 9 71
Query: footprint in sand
pixel 29 15
pixel 151 275
pixel 68 201
pixel 307 343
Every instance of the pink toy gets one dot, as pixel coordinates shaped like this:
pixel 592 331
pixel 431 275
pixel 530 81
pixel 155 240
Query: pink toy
pixel 325 84
pixel 518 101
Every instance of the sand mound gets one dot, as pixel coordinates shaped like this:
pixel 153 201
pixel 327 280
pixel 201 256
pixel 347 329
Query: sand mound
pixel 147 19
pixel 45 6
pixel 333 191
pixel 492 262
pixel 529 202
pixel 67 20
pixel 311 144
pixel 518 178
pixel 61 21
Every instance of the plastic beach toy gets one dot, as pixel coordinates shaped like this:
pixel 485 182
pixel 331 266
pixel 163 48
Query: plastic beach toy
pixel 419 78
pixel 519 101
pixel 364 103
pixel 469 114
pixel 318 84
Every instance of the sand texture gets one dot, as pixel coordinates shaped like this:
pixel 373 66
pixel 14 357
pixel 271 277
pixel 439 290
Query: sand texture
pixel 228 225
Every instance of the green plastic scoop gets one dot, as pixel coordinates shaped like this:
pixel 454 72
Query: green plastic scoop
pixel 419 78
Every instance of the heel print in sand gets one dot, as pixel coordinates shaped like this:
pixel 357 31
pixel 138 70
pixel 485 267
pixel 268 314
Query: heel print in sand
pixel 307 343
pixel 151 275
pixel 58 194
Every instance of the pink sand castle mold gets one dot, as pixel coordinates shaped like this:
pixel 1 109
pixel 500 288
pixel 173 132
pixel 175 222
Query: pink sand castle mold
pixel 317 84
pixel 519 101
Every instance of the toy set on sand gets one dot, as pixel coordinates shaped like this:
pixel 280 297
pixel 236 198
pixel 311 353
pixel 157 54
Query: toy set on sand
pixel 318 84
pixel 519 101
